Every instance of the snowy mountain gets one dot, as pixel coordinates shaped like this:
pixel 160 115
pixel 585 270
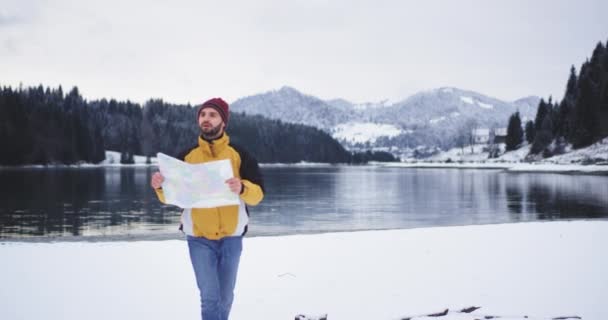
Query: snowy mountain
pixel 451 106
pixel 427 119
pixel 527 106
pixel 290 105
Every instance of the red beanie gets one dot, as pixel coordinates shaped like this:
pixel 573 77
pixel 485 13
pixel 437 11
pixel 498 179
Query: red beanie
pixel 218 104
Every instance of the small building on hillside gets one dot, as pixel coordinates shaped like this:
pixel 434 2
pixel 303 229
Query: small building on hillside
pixel 481 136
pixel 485 135
pixel 500 135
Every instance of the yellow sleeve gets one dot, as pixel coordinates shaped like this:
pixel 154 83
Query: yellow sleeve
pixel 252 193
pixel 160 194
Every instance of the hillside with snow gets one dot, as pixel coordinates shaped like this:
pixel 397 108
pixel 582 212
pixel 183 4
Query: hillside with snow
pixel 359 132
pixel 595 153
pixel 592 158
pixel 453 107
pixel 290 105
pixel 430 119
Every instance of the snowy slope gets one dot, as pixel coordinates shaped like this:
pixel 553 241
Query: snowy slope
pixel 593 159
pixel 514 271
pixel 430 119
pixel 359 132
pixel 596 153
pixel 475 153
pixel 432 104
pixel 289 105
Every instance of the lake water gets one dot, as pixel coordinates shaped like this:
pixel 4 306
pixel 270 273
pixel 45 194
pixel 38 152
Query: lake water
pixel 115 202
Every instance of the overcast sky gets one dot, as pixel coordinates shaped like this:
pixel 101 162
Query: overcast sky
pixel 187 51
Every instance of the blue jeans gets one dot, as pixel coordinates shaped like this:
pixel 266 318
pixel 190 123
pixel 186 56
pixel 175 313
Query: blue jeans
pixel 215 264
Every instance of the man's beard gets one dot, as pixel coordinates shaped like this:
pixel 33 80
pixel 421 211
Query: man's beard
pixel 211 133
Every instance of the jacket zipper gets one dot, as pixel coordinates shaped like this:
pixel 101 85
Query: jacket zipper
pixel 211 149
pixel 219 216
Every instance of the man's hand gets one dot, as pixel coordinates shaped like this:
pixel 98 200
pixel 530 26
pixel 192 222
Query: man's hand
pixel 235 185
pixel 157 180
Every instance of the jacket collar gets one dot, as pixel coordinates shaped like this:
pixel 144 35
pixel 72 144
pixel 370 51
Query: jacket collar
pixel 214 147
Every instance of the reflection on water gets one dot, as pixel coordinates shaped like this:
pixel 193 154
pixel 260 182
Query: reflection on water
pixel 91 201
pixel 119 201
pixel 561 197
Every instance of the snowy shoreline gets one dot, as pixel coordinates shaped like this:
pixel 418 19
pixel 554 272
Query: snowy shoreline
pixel 508 167
pixel 537 270
pixel 163 236
pixel 590 160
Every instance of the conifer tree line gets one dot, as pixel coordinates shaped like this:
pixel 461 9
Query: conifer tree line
pixel 580 119
pixel 40 126
pixel 45 126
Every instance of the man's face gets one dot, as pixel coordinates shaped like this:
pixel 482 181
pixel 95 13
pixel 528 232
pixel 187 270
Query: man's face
pixel 211 123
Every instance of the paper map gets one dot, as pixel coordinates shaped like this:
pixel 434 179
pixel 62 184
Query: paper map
pixel 196 185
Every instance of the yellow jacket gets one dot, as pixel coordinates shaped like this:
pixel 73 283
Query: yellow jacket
pixel 216 223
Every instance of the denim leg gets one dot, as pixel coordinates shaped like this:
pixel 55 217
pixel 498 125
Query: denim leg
pixel 204 258
pixel 215 264
pixel 231 248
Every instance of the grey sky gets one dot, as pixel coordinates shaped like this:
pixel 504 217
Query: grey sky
pixel 190 50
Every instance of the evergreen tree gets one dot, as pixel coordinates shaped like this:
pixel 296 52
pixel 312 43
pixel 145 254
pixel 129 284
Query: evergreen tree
pixel 543 138
pixel 543 126
pixel 588 112
pixel 564 124
pixel 541 113
pixel 584 122
pixel 13 127
pixel 99 153
pixel 514 132
pixel 603 98
pixel 53 128
pixel 530 132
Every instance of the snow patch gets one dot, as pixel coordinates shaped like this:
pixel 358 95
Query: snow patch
pixel 517 155
pixel 468 100
pixel 471 100
pixel 436 120
pixel 361 132
pixel 375 105
pixel 485 105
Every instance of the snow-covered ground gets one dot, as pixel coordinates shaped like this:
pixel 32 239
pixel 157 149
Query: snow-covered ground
pixel 470 100
pixel 113 158
pixel 513 156
pixel 540 270
pixel 466 154
pixel 507 166
pixel 593 159
pixel 298 164
pixel 597 152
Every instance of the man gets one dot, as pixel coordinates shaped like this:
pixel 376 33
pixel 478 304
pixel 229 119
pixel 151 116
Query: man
pixel 215 235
